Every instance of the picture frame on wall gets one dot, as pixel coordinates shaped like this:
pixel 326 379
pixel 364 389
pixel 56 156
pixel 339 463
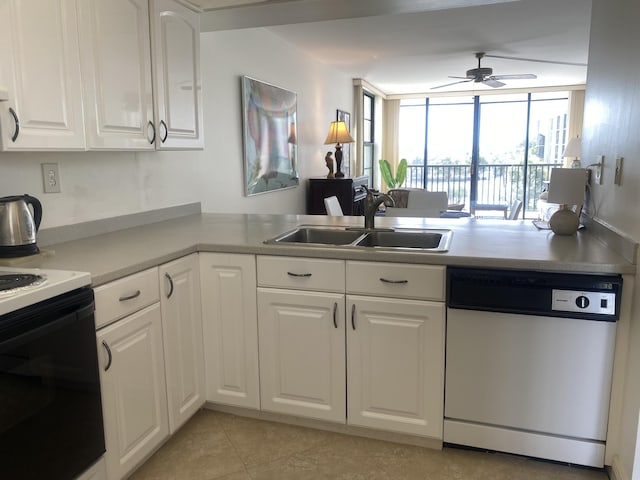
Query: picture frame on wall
pixel 269 126
pixel 341 115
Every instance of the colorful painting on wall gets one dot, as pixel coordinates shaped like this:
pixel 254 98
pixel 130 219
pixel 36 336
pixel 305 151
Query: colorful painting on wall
pixel 270 137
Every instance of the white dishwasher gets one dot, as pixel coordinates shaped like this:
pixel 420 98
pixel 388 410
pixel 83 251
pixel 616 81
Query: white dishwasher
pixel 529 360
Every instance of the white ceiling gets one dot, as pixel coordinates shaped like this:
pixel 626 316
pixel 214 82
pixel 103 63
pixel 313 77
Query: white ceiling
pixel 411 46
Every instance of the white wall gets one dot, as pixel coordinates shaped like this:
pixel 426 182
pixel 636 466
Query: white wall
pixel 612 128
pixel 99 185
pixel 259 54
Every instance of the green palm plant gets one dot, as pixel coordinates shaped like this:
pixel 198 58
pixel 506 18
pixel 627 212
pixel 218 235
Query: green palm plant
pixel 393 181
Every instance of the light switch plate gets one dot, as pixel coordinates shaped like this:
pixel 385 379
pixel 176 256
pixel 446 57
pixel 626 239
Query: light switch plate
pixel 51 178
pixel 617 177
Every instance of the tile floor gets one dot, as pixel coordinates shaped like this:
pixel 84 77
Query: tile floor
pixel 214 445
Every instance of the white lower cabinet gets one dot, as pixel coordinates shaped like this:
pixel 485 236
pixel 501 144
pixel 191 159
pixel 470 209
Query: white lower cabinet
pixel 152 361
pixel 134 398
pixel 393 317
pixel 395 369
pixel 230 329
pixel 182 338
pixel 302 353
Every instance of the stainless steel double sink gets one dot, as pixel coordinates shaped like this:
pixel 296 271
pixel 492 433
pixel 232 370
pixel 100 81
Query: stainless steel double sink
pixel 431 240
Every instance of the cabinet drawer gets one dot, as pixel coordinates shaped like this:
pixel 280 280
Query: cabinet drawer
pixel 129 294
pixel 301 273
pixel 398 280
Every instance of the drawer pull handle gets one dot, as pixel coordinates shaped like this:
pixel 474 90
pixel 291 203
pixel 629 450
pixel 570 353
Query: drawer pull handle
pixel 335 315
pixel 170 285
pixel 131 296
pixel 386 280
pixel 353 316
pixel 303 275
pixel 109 356
pixel 16 122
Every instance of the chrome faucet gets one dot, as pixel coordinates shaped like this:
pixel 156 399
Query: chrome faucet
pixel 371 204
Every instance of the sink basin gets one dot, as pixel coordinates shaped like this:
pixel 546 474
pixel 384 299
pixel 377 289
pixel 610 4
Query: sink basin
pixel 434 240
pixel 319 235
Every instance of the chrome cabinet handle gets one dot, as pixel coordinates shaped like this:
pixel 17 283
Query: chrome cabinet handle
pixel 153 130
pixel 385 280
pixel 166 131
pixel 16 121
pixel 305 275
pixel 131 296
pixel 170 285
pixel 109 356
pixel 353 316
pixel 335 314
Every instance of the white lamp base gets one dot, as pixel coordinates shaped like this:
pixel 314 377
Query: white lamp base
pixel 564 222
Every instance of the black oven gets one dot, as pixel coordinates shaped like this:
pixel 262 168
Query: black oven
pixel 50 408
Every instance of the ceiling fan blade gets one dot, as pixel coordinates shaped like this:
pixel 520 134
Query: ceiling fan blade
pixel 492 82
pixel 520 76
pixel 454 83
pixel 461 78
pixel 575 64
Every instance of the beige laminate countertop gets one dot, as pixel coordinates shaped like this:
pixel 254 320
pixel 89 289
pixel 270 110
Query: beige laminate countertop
pixel 483 243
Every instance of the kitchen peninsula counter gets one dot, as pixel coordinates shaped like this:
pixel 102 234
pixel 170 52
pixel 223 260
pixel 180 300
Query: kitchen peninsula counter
pixel 481 243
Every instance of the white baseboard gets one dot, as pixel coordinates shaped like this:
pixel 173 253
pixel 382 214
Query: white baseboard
pixel 616 471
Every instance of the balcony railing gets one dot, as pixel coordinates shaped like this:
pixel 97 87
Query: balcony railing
pixel 497 184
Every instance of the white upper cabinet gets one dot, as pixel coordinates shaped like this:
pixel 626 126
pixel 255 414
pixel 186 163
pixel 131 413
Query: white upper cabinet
pixel 175 34
pixel 39 67
pixel 115 52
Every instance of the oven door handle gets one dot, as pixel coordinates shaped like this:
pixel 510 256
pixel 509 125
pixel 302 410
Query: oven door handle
pixel 109 356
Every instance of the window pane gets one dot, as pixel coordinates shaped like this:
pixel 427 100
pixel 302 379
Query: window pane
pixel 503 132
pixel 368 107
pixel 547 140
pixel 411 134
pixel 366 131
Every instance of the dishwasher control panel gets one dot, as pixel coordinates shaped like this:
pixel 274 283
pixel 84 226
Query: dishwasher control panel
pixel 602 303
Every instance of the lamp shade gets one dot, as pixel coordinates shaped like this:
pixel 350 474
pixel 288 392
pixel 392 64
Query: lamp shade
pixel 567 186
pixel 338 133
pixel 573 148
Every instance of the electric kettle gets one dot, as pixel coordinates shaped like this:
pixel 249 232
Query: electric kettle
pixel 18 225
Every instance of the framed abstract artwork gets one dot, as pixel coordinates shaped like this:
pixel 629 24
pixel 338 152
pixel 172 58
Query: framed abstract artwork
pixel 341 115
pixel 269 120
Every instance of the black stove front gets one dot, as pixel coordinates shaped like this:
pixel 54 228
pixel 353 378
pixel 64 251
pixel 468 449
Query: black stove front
pixel 50 407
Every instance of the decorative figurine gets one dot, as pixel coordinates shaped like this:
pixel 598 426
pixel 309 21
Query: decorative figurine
pixel 329 161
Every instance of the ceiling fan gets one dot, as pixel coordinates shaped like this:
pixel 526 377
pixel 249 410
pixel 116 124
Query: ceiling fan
pixel 485 76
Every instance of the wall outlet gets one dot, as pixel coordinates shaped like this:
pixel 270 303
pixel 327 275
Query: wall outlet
pixel 597 169
pixel 51 178
pixel 617 176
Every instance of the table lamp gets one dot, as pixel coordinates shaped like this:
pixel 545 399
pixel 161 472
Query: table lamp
pixel 338 134
pixel 566 187
pixel 573 149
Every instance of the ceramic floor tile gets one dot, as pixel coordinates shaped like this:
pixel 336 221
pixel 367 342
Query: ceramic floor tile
pixel 218 446
pixel 260 442
pixel 198 451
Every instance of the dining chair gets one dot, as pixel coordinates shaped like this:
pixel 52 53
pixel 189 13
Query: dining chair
pixel 332 206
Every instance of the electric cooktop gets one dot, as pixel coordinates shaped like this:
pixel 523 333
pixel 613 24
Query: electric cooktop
pixel 21 287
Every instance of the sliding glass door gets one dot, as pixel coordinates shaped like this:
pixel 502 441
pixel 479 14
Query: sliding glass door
pixel 486 152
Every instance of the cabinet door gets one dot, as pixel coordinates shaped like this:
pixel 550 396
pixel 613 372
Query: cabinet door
pixel 182 334
pixel 40 68
pixel 396 364
pixel 228 285
pixel 116 66
pixel 175 33
pixel 302 353
pixel 134 399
